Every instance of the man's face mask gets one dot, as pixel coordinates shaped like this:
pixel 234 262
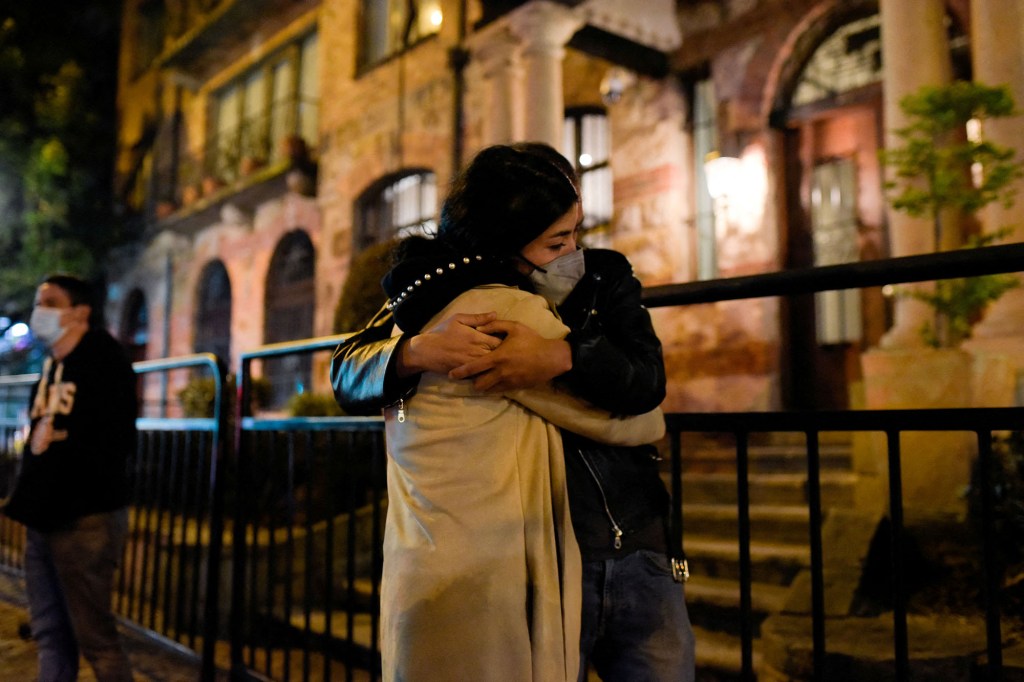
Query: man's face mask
pixel 556 279
pixel 45 324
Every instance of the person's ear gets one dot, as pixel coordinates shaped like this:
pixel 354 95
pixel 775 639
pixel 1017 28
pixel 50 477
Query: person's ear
pixel 80 313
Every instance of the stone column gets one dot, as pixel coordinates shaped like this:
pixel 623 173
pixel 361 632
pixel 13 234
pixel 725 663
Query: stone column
pixel 915 52
pixel 544 28
pixel 997 32
pixel 497 53
pixel 902 373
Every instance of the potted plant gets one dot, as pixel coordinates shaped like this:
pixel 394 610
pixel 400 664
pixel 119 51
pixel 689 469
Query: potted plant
pixel 253 151
pixel 947 175
pixel 189 179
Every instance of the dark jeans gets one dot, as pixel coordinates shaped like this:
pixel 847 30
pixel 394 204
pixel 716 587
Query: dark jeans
pixel 69 576
pixel 635 627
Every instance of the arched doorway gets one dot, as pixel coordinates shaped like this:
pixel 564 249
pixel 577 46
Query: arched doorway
pixel 830 112
pixel 135 325
pixel 832 125
pixel 213 312
pixel 289 307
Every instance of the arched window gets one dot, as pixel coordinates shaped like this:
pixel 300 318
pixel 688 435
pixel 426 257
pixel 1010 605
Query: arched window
pixel 851 58
pixel 213 312
pixel 397 206
pixel 587 143
pixel 135 325
pixel 289 315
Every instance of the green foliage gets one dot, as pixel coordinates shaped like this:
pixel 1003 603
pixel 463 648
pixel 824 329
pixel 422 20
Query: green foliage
pixel 362 296
pixel 57 138
pixel 960 301
pixel 198 395
pixel 933 171
pixel 314 405
pixel 933 165
pixel 1006 486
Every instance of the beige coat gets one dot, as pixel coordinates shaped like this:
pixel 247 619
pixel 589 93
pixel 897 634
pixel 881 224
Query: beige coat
pixel 481 569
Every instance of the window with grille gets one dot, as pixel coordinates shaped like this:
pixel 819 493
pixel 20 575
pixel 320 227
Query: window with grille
pixel 389 27
pixel 834 229
pixel 397 206
pixel 587 144
pixel 254 114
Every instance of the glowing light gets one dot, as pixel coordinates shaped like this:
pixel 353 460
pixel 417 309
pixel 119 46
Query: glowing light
pixel 436 17
pixel 586 160
pixel 17 330
pixel 721 173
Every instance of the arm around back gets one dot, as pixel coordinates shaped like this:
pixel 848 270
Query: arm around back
pixel 362 372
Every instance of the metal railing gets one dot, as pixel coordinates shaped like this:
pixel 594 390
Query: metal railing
pixel 303 504
pixel 982 422
pixel 169 581
pixel 14 398
pixel 307 538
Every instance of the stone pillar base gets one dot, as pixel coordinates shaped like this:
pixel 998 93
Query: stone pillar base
pixel 935 465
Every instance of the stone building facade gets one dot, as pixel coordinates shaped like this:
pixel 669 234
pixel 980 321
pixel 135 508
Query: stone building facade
pixel 321 126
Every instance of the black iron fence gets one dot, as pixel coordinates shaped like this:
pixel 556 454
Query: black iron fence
pixel 306 552
pixel 271 545
pixel 169 581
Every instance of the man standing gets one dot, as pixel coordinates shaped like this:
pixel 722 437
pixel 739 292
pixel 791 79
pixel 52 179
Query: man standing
pixel 72 491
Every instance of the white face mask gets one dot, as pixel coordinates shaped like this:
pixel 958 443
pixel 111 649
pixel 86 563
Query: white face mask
pixel 45 324
pixel 559 277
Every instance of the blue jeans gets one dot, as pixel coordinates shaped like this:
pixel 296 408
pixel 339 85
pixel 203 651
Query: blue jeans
pixel 69 574
pixel 635 627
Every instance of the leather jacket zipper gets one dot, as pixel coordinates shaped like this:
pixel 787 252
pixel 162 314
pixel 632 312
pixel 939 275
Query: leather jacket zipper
pixel 616 529
pixel 591 309
pixel 401 410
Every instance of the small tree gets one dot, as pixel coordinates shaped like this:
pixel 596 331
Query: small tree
pixel 362 295
pixel 934 178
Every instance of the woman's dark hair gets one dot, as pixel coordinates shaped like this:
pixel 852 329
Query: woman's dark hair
pixel 555 157
pixel 504 199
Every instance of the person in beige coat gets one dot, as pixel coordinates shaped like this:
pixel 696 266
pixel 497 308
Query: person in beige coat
pixel 481 569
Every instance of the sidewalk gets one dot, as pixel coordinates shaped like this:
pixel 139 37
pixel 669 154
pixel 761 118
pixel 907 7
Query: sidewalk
pixel 150 661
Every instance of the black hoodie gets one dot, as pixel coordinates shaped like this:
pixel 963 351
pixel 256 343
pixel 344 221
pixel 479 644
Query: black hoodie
pixel 83 471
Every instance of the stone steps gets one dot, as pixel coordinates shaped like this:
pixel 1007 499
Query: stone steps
pixel 782 489
pixel 771 563
pixel 779 530
pixel 770 458
pixel 768 523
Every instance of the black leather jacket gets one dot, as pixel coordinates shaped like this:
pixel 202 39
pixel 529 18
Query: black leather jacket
pixel 617 499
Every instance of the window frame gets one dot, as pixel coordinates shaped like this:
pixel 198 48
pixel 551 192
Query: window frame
pixel 365 61
pixel 575 117
pixel 366 234
pixel 223 159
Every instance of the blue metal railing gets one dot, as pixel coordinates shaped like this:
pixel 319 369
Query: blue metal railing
pixel 168 583
pixel 306 541
pixel 302 500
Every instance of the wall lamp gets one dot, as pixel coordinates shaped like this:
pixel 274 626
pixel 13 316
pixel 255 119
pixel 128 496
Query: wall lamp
pixel 722 174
